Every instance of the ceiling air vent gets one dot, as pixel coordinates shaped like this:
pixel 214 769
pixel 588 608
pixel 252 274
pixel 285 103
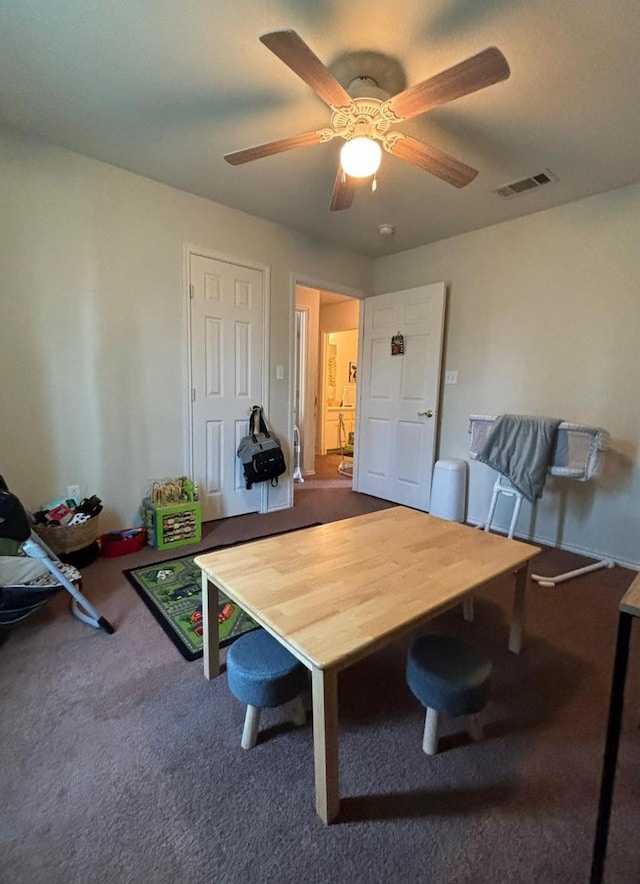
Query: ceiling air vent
pixel 517 187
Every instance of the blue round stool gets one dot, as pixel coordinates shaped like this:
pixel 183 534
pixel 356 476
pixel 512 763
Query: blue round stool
pixel 447 675
pixel 262 673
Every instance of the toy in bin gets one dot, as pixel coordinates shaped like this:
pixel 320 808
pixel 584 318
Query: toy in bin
pixel 70 529
pixel 121 543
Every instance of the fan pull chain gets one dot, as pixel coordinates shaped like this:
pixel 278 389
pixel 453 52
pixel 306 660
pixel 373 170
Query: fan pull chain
pixel 374 182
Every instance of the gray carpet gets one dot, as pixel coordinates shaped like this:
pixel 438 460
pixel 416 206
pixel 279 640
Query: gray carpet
pixel 120 763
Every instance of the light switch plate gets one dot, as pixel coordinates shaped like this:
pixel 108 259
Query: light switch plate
pixel 451 377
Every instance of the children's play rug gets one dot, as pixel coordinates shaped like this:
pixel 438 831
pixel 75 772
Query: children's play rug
pixel 171 590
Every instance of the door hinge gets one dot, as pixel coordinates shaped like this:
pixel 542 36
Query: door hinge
pixel 191 291
pixel 193 394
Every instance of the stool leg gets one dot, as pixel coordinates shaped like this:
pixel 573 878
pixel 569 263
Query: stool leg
pixel 430 739
pixel 467 608
pixel 298 715
pixel 474 726
pixel 251 724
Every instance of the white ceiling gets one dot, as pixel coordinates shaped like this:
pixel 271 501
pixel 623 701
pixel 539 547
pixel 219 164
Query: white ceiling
pixel 164 88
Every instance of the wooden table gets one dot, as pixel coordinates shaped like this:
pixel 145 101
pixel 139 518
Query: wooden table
pixel 629 608
pixel 334 593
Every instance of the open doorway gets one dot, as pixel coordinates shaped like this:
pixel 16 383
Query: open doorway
pixel 325 387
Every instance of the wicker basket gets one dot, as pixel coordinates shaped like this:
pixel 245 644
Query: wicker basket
pixel 63 539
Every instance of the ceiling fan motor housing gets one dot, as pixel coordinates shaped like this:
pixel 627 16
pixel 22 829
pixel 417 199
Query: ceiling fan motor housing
pixel 366 117
pixel 366 87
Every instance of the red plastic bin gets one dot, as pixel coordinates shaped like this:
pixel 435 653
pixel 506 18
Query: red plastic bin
pixel 121 543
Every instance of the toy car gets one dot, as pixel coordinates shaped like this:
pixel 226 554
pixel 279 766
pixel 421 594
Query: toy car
pixel 183 592
pixel 224 612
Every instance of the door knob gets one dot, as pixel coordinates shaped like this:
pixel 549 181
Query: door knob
pixel 427 413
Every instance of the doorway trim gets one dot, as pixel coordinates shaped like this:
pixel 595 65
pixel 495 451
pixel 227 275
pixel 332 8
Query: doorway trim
pixel 300 374
pixel 189 249
pixel 303 279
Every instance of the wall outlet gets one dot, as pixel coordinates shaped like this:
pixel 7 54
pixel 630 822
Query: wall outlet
pixel 74 491
pixel 451 377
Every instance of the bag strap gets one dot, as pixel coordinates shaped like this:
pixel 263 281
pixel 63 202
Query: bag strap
pixel 257 423
pixel 263 424
pixel 253 421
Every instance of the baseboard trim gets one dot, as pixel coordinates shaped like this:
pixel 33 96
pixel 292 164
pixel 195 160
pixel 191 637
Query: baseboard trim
pixel 545 541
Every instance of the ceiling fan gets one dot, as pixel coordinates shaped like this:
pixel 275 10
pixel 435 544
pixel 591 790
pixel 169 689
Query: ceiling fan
pixel 364 115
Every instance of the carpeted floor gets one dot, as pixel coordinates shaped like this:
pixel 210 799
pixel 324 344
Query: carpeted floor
pixel 326 474
pixel 120 763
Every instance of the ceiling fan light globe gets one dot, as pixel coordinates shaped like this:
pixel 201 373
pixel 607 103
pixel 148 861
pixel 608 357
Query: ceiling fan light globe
pixel 360 157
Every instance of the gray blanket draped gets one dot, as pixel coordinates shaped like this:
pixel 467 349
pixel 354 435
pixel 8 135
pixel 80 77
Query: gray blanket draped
pixel 520 447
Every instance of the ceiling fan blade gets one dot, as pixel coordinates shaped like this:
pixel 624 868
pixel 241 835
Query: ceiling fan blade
pixel 294 52
pixel 344 190
pixel 481 70
pixel 272 147
pixel 433 161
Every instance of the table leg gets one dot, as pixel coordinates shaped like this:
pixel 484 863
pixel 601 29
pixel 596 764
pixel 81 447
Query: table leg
pixel 325 742
pixel 517 619
pixel 616 705
pixel 211 641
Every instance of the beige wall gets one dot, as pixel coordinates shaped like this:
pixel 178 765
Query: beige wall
pixel 346 343
pixel 340 316
pixel 93 351
pixel 544 318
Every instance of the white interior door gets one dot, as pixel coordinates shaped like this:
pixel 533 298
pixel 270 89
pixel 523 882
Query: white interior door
pixel 399 395
pixel 227 373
